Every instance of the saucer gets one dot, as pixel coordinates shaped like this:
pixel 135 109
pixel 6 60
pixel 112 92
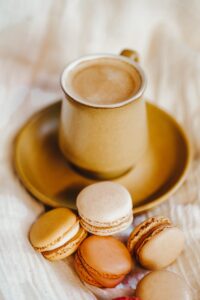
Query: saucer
pixel 47 175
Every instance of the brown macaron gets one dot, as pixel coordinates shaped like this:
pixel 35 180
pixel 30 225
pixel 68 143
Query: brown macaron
pixel 102 261
pixel 156 243
pixel 163 285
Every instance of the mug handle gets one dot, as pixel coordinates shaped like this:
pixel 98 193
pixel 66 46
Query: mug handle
pixel 132 54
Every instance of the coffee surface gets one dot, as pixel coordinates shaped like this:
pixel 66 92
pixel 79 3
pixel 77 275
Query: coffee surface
pixel 104 81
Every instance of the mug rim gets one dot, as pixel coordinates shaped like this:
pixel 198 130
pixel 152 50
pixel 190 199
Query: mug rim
pixel 89 57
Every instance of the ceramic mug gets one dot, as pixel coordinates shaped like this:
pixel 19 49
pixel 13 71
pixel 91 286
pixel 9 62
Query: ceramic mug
pixel 104 140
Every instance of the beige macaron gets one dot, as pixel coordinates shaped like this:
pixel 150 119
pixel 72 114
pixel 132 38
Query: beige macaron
pixel 105 208
pixel 57 234
pixel 163 285
pixel 156 243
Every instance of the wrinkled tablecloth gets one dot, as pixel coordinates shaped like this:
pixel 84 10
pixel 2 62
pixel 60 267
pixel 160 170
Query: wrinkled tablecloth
pixel 37 39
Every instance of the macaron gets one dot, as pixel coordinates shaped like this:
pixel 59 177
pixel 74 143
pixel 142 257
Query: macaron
pixel 163 285
pixel 102 261
pixel 105 208
pixel 156 243
pixel 57 234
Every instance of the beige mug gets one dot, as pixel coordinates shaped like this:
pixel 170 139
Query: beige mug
pixel 104 140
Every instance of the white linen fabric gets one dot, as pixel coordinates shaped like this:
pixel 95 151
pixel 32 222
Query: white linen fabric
pixel 37 39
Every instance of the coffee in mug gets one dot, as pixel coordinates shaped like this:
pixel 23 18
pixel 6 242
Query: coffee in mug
pixel 103 81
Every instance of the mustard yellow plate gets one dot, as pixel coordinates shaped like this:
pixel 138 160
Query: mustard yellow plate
pixel 48 176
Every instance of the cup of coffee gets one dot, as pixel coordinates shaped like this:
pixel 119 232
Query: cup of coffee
pixel 103 127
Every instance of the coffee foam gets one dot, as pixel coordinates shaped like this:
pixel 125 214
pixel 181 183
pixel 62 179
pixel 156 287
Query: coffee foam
pixel 103 81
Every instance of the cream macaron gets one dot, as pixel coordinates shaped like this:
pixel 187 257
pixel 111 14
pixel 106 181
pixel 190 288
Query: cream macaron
pixel 105 208
pixel 156 243
pixel 57 234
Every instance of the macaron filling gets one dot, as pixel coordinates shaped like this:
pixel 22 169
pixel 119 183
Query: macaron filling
pixel 116 222
pixel 66 238
pixel 68 248
pixel 112 227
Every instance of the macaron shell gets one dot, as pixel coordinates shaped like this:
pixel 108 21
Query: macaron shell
pixel 105 256
pixel 68 248
pixel 83 274
pixel 51 227
pixel 163 285
pixel 104 202
pixel 162 249
pixel 106 231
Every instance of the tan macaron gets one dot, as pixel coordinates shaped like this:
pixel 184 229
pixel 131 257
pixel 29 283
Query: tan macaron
pixel 57 234
pixel 163 285
pixel 156 243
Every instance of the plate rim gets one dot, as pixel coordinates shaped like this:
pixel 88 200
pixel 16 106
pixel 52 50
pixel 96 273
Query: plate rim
pixel 47 200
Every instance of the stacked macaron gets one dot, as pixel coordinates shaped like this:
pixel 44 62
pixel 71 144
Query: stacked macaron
pixel 105 208
pixel 57 234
